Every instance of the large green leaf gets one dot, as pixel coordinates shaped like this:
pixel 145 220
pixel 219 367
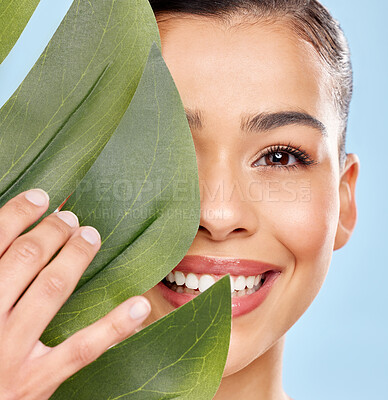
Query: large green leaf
pixel 142 194
pixel 62 115
pixel 14 15
pixel 180 356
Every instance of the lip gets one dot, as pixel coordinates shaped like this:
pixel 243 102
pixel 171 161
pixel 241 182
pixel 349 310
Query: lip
pixel 219 267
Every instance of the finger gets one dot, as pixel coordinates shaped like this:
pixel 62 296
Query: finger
pixel 19 213
pixel 89 343
pixel 30 252
pixel 51 288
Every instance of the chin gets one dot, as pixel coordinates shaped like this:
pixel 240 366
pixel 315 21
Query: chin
pixel 240 354
pixel 234 363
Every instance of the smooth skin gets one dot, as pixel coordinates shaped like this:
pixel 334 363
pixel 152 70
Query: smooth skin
pixel 29 370
pixel 251 207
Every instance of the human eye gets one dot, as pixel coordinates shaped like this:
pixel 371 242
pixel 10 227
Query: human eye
pixel 284 156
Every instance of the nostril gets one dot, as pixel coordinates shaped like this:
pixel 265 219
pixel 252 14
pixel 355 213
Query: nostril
pixel 239 230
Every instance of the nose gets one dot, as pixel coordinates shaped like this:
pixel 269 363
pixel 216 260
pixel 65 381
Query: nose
pixel 226 210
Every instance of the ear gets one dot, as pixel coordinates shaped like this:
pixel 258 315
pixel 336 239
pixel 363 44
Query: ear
pixel 348 209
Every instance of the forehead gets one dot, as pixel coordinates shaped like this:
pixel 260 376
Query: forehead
pixel 245 65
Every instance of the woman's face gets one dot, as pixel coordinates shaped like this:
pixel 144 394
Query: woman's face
pixel 273 208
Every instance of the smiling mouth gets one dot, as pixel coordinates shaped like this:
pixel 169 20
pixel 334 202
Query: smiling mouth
pixel 195 284
pixel 251 280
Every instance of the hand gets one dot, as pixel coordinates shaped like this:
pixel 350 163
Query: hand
pixel 29 369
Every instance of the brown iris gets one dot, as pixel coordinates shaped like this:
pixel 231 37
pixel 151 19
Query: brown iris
pixel 276 158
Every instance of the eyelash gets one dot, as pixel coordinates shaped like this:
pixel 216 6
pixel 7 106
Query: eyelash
pixel 304 159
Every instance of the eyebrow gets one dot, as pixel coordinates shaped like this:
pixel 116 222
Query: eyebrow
pixel 264 121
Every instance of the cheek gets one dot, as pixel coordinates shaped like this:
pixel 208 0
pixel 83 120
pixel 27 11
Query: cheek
pixel 305 218
pixel 306 229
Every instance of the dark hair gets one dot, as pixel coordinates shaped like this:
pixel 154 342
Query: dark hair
pixel 308 18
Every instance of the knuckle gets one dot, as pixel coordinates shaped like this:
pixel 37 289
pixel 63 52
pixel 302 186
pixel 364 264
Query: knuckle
pixel 58 226
pixel 79 250
pixel 54 284
pixel 84 353
pixel 26 251
pixel 20 208
pixel 118 327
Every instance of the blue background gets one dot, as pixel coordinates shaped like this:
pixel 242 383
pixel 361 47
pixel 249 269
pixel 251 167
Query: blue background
pixel 338 349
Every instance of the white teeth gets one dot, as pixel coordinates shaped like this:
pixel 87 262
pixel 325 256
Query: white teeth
pixel 179 278
pixel 191 281
pixel 239 283
pixel 205 282
pixel 171 277
pixel 250 281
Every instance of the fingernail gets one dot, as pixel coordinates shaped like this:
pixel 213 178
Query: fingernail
pixel 37 196
pixel 140 309
pixel 91 235
pixel 68 217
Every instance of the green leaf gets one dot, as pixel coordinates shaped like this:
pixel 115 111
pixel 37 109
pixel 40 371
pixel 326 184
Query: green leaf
pixel 182 355
pixel 62 115
pixel 14 15
pixel 142 194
